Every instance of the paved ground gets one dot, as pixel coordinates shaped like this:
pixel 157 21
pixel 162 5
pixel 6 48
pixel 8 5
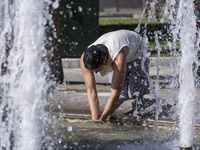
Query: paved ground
pixel 71 99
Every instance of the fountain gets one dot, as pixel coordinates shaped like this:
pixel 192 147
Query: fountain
pixel 186 30
pixel 23 71
pixel 183 29
pixel 23 84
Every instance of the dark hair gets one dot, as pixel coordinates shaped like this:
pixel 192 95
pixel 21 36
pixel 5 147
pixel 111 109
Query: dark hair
pixel 94 56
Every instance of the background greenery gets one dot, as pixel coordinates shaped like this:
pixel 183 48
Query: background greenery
pixel 161 27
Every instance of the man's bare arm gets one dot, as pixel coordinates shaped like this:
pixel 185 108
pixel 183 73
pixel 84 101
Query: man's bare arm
pixel 119 68
pixel 90 83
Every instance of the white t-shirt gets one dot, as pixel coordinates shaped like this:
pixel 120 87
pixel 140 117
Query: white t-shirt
pixel 115 41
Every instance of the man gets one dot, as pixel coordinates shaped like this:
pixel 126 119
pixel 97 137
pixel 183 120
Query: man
pixel 119 52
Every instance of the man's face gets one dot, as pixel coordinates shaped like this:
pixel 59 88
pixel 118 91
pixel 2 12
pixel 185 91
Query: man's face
pixel 100 68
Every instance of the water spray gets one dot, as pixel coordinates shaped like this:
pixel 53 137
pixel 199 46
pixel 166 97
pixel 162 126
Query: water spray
pixel 186 29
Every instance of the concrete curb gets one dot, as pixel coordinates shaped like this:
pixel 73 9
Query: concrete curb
pixel 73 73
pixel 71 63
pixel 164 62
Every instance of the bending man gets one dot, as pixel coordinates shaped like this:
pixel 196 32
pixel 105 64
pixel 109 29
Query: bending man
pixel 120 54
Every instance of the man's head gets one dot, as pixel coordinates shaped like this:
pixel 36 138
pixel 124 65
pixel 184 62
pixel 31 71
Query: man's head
pixel 94 56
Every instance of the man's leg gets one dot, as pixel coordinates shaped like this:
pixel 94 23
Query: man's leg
pixel 138 84
pixel 138 80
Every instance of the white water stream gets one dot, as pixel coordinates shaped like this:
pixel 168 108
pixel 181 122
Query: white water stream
pixel 186 26
pixel 23 83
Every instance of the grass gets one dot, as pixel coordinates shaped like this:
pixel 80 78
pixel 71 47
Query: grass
pixel 163 46
pixel 123 20
pixel 165 49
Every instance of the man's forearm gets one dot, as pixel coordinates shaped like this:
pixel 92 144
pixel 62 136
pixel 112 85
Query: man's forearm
pixel 94 105
pixel 110 105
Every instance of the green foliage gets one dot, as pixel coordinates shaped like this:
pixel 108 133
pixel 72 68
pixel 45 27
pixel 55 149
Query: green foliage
pixel 161 27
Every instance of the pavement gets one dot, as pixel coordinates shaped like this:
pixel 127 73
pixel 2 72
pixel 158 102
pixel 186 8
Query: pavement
pixel 72 71
pixel 70 98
